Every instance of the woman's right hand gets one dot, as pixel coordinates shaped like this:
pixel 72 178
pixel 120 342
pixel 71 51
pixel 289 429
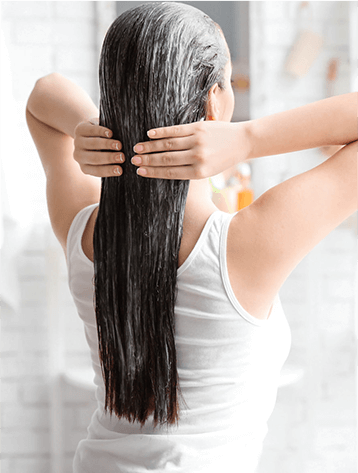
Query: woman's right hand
pixel 95 152
pixel 192 151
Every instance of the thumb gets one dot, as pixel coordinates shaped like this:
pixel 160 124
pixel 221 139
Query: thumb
pixel 94 121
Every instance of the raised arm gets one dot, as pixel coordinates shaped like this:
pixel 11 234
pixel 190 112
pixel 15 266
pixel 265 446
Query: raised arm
pixel 330 121
pixel 191 151
pixel 54 109
pixel 287 221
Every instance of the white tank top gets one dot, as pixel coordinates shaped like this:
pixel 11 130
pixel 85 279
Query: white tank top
pixel 228 364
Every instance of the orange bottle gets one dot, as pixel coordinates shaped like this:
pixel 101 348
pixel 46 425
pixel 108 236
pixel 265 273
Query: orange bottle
pixel 245 195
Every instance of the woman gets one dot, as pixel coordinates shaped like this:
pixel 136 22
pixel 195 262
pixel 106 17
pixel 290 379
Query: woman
pixel 187 333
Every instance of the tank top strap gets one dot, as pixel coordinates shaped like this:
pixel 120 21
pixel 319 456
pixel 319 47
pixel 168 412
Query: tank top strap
pixel 213 221
pixel 74 249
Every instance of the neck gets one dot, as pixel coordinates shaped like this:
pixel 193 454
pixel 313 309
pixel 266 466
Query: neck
pixel 199 199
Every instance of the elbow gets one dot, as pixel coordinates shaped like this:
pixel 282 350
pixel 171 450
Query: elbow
pixel 37 91
pixel 45 81
pixel 48 78
pixel 31 101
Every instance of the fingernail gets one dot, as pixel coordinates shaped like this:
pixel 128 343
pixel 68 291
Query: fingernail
pixel 136 160
pixel 142 171
pixel 117 171
pixel 108 134
pixel 151 133
pixel 119 158
pixel 138 148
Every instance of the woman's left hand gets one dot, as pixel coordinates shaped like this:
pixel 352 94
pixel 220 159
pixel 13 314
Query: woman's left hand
pixel 95 152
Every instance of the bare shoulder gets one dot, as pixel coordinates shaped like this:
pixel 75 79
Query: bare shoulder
pixel 248 274
pixel 268 239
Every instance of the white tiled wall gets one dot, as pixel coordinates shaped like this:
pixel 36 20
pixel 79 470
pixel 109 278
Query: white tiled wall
pixel 313 426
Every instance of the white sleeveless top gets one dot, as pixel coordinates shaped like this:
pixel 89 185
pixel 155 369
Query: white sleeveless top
pixel 228 364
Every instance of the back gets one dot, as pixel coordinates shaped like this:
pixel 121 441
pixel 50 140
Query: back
pixel 228 365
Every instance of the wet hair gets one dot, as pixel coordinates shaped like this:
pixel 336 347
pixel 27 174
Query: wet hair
pixel 158 62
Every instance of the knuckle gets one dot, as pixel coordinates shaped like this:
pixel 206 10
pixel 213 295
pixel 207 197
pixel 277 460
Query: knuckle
pixel 79 127
pixel 84 168
pixel 200 159
pixel 169 144
pixel 176 130
pixel 101 143
pixel 199 172
pixel 78 155
pixel 167 159
pixel 169 173
pixel 96 143
pixel 79 142
pixel 201 126
pixel 76 141
pixel 200 141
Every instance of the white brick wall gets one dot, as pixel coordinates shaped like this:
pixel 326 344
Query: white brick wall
pixel 313 427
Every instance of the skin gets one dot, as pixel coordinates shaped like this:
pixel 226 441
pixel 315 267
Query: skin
pixel 199 205
pixel 267 239
pixel 221 104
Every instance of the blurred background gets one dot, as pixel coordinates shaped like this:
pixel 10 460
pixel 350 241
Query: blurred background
pixel 285 54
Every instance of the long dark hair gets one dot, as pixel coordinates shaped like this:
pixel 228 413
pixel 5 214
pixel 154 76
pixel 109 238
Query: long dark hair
pixel 157 65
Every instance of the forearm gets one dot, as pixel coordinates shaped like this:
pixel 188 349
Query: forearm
pixel 331 121
pixel 60 103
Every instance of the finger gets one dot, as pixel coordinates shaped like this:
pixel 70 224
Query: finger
pixel 168 144
pixel 173 172
pixel 173 158
pixel 89 143
pixel 98 157
pixel 171 131
pixel 102 171
pixel 88 129
pixel 94 120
